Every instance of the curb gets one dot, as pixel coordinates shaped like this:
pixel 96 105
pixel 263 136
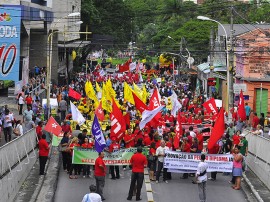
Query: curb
pixel 256 194
pixel 47 184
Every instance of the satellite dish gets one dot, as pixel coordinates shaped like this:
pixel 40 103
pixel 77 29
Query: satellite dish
pixel 190 60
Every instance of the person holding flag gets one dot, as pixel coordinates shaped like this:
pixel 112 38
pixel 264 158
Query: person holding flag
pixel 100 167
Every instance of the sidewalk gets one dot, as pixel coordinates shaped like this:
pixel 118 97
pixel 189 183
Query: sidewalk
pixel 259 190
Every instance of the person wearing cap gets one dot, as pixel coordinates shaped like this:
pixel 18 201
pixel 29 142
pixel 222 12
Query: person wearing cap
pixel 92 196
pixel 138 162
pixel 114 147
pixel 243 149
pixel 201 178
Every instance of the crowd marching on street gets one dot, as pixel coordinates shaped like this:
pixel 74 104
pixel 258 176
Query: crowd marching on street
pixel 127 110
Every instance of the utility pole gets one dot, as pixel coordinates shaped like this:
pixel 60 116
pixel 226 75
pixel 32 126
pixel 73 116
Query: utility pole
pixel 231 65
pixel 211 65
pixel 180 57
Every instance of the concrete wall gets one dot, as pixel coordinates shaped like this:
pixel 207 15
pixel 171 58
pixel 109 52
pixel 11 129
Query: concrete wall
pixel 258 159
pixel 66 24
pixel 11 154
pixel 38 50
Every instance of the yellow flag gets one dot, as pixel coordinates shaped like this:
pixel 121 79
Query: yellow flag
pixel 144 94
pixel 106 104
pixel 97 87
pixel 137 91
pixel 128 93
pixel 105 99
pixel 90 92
pixel 111 92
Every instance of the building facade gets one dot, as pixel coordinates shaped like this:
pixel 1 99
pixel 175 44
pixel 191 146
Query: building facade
pixel 252 67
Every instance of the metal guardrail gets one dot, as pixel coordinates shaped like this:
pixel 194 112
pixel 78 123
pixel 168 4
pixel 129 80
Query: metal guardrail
pixel 12 153
pixel 258 158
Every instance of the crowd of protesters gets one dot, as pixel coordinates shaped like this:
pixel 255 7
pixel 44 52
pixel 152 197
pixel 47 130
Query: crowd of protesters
pixel 158 138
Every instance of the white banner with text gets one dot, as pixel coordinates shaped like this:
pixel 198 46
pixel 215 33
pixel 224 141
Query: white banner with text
pixel 182 161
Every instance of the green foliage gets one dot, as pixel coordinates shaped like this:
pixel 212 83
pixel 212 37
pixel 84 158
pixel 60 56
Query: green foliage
pixel 149 22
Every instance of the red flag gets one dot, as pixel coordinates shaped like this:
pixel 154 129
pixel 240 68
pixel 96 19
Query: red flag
pixel 154 100
pixel 53 127
pixel 124 67
pixel 138 103
pixel 178 132
pixel 218 129
pixel 154 103
pixel 99 112
pixel 241 107
pixel 118 124
pixel 74 94
pixel 127 119
pixel 211 106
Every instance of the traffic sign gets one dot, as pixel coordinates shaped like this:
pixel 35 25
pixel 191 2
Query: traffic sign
pixel 237 87
pixel 190 60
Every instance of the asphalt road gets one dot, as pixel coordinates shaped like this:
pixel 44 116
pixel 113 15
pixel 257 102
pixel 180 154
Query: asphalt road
pixel 71 190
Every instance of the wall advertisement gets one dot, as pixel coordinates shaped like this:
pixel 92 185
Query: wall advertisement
pixel 10 29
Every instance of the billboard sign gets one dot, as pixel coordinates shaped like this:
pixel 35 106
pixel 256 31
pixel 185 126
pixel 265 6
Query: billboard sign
pixel 10 31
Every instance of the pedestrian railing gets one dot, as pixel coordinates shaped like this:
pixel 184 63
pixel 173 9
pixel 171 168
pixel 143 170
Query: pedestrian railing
pixel 16 160
pixel 258 158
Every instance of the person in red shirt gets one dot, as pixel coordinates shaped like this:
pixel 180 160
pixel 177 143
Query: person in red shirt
pixel 198 109
pixel 200 141
pixel 139 135
pixel 100 173
pixel 129 139
pixel 138 162
pixel 147 140
pixel 214 150
pixel 74 143
pixel 66 127
pixel 256 121
pixel 43 154
pixel 87 145
pixel 29 100
pixel 197 120
pixel 236 138
pixel 39 130
pixel 114 147
pixel 185 147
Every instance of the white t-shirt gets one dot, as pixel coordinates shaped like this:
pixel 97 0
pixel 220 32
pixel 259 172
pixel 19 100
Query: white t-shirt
pixel 20 128
pixel 192 134
pixel 160 131
pixel 92 197
pixel 161 150
pixel 200 169
pixel 21 100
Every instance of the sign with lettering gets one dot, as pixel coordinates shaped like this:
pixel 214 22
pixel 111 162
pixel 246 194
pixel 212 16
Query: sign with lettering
pixel 237 87
pixel 181 162
pixel 211 81
pixel 120 157
pixel 10 31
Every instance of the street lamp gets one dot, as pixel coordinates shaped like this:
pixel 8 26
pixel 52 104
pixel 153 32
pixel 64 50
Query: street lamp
pixel 227 59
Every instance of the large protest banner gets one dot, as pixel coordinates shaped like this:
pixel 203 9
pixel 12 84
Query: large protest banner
pixel 88 156
pixel 182 162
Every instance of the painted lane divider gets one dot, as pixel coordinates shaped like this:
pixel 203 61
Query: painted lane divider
pixel 148 186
